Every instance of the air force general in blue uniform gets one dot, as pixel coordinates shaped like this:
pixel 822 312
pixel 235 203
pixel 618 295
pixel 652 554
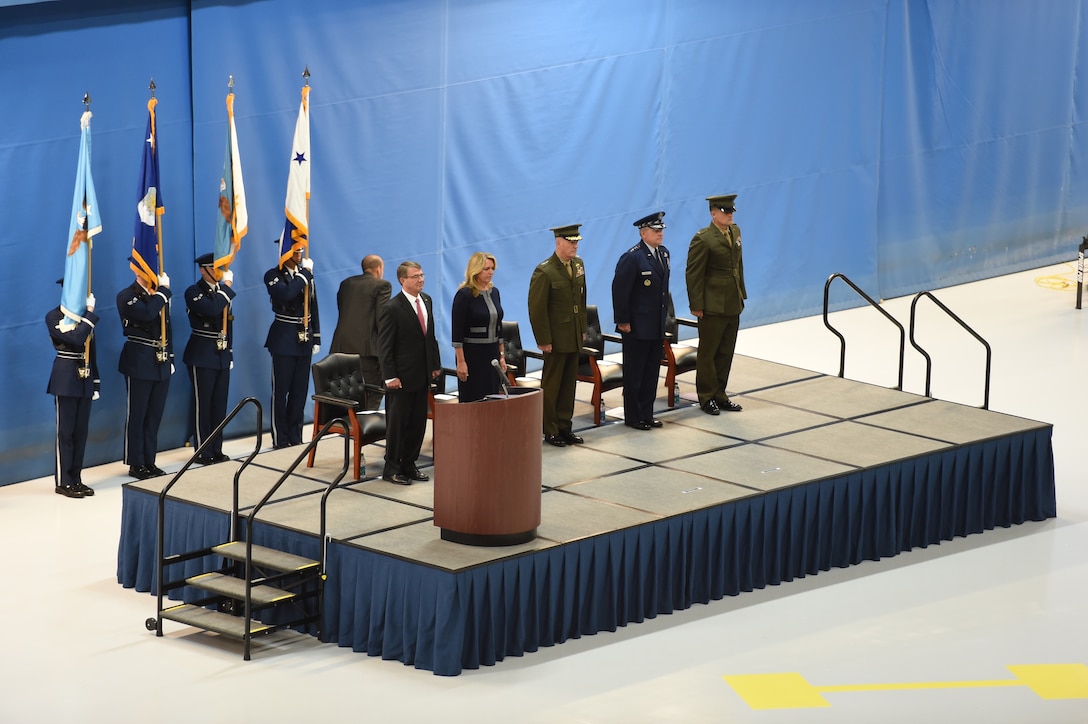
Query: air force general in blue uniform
pixel 640 295
pixel 209 353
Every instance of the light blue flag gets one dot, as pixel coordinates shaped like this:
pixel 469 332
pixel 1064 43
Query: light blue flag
pixel 84 225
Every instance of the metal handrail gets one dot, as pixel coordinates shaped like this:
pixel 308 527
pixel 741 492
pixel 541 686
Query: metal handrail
pixel 973 333
pixel 252 516
pixel 875 305
pixel 161 530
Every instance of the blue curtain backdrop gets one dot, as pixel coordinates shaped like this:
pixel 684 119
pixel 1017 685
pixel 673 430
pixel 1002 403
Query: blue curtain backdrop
pixel 907 144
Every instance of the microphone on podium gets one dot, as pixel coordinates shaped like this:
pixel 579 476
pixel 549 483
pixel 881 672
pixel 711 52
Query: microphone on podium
pixel 502 377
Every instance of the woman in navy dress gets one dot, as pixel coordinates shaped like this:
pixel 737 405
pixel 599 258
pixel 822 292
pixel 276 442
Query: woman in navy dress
pixel 477 330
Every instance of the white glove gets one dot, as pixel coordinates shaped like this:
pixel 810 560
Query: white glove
pixel 228 277
pixel 171 368
pixel 90 302
pixel 164 280
pixel 317 348
pixel 231 365
pixel 308 263
pixel 95 395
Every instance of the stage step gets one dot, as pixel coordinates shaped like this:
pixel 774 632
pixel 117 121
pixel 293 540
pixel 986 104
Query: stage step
pixel 235 588
pixel 266 557
pixel 217 621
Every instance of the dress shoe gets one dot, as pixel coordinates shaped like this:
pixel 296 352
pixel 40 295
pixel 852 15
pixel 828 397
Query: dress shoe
pixel 555 440
pixel 397 478
pixel 419 475
pixel 570 438
pixel 711 408
pixel 730 406
pixel 156 471
pixel 202 460
pixel 140 472
pixel 85 489
pixel 656 423
pixel 640 425
pixel 68 491
pixel 220 458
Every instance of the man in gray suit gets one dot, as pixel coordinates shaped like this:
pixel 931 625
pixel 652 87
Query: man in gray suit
pixel 715 281
pixel 359 300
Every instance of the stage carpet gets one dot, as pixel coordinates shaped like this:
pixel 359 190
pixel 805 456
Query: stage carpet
pixel 817 472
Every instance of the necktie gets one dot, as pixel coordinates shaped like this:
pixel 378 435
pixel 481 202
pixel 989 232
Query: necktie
pixel 570 269
pixel 422 319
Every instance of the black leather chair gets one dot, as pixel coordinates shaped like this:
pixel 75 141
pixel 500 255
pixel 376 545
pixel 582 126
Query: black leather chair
pixel 593 368
pixel 517 356
pixel 677 357
pixel 340 392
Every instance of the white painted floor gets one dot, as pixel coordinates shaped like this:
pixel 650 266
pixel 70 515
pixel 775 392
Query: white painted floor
pixel 926 636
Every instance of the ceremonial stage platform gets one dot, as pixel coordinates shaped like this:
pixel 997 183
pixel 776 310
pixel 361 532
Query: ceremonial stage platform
pixel 817 472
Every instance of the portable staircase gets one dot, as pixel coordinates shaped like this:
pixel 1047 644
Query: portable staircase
pixel 256 590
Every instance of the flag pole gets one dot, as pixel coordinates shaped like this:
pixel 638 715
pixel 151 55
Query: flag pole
pixel 230 112
pixel 162 353
pixel 90 248
pixel 306 300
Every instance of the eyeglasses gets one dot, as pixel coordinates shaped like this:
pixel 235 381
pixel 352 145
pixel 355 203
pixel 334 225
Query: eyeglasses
pixel 416 276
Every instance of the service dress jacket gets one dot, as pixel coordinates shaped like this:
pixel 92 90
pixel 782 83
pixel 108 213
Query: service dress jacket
pixel 557 304
pixel 715 271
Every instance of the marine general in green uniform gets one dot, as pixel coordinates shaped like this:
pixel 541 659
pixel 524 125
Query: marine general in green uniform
pixel 557 312
pixel 715 281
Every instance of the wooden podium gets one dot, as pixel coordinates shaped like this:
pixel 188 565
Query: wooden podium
pixel 487 469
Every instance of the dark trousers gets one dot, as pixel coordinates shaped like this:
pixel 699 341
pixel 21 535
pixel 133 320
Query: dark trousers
pixel 717 340
pixel 372 375
pixel 558 382
pixel 210 390
pixel 641 371
pixel 146 402
pixel 405 426
pixel 73 420
pixel 290 382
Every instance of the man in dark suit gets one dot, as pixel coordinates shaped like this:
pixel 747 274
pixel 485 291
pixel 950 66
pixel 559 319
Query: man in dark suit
pixel 74 383
pixel 209 353
pixel 359 300
pixel 409 361
pixel 640 297
pixel 293 338
pixel 715 281
pixel 147 361
pixel 557 312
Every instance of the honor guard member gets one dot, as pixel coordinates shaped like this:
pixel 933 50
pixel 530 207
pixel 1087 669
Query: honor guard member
pixel 74 383
pixel 557 312
pixel 293 338
pixel 715 281
pixel 640 299
pixel 209 354
pixel 147 361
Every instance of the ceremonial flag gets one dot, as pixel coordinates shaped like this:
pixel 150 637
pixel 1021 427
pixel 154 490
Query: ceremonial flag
pixel 84 225
pixel 233 220
pixel 297 229
pixel 147 239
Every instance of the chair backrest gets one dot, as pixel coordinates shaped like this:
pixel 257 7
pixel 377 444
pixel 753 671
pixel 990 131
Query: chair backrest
pixel 594 339
pixel 672 328
pixel 513 350
pixel 339 375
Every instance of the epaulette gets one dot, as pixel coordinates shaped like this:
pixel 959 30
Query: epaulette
pixel 633 248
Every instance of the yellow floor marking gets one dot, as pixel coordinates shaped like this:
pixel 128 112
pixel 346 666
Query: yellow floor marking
pixel 791 691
